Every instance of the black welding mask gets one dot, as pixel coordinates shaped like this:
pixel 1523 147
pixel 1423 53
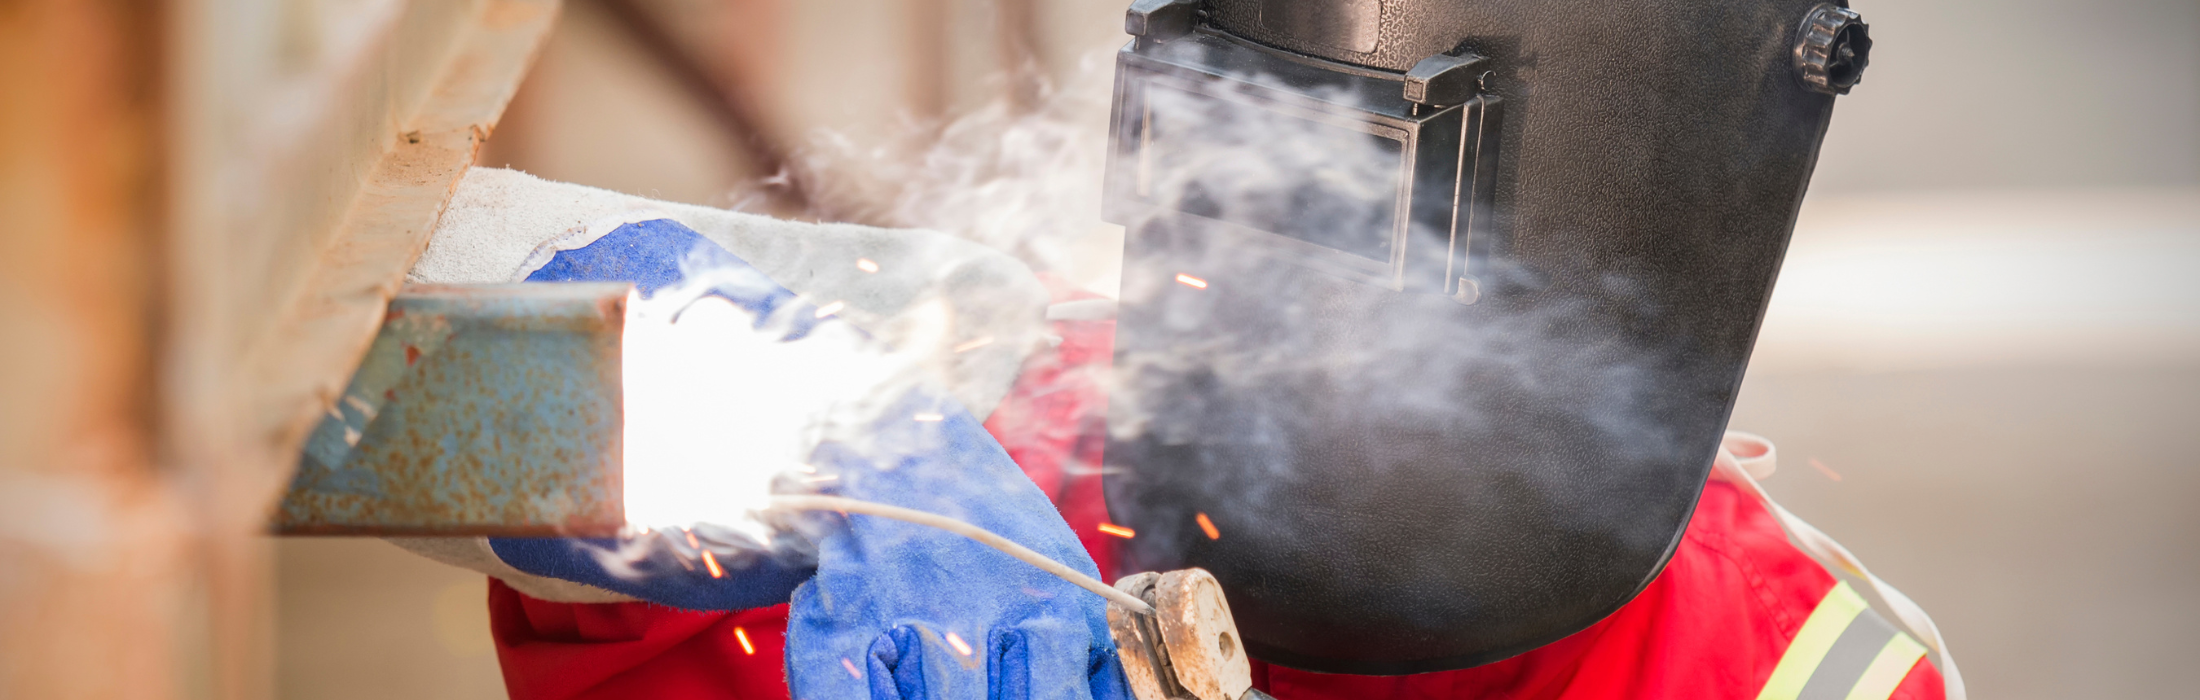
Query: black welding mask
pixel 1433 311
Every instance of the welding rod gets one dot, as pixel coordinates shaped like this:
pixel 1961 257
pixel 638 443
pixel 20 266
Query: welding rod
pixel 850 505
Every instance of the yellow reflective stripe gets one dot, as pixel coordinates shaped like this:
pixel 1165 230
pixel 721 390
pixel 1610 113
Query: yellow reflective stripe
pixel 1888 668
pixel 1827 621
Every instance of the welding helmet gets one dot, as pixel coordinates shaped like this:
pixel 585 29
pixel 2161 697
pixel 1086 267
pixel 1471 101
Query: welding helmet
pixel 1433 311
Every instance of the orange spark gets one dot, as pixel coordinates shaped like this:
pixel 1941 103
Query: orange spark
pixel 930 417
pixel 830 309
pixel 957 642
pixel 866 265
pixel 1190 281
pixel 743 635
pixel 1823 469
pixel 851 666
pixel 1208 526
pixel 1118 530
pixel 975 344
pixel 712 563
pixel 691 538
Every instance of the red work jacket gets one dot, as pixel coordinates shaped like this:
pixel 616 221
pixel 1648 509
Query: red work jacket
pixel 1738 613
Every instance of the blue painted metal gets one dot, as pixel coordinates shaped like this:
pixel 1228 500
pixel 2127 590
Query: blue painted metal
pixel 479 410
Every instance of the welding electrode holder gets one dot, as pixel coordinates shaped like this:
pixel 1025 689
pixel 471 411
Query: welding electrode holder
pixel 1188 648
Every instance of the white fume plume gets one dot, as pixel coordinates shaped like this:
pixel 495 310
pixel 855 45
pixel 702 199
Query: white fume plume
pixel 1021 178
pixel 1028 180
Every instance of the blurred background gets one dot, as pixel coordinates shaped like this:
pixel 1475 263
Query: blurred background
pixel 1981 364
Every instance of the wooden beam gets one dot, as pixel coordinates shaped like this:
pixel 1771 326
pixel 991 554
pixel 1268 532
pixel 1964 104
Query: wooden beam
pixel 90 540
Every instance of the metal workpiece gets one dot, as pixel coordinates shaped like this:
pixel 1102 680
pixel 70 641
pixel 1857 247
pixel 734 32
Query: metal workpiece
pixel 478 410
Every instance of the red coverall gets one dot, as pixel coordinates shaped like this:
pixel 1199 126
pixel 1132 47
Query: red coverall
pixel 1715 624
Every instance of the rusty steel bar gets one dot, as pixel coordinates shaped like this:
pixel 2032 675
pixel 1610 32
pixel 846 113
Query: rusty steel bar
pixel 479 410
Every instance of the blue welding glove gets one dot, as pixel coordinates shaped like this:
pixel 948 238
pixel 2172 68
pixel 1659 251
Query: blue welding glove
pixel 667 568
pixel 906 611
pixel 894 610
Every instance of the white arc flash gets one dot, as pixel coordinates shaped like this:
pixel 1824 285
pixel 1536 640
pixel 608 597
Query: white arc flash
pixel 716 407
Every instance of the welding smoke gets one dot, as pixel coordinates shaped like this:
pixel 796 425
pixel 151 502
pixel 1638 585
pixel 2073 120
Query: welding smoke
pixel 1280 375
pixel 1028 181
pixel 1295 395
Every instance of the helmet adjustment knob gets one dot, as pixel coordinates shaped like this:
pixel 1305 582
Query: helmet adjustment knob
pixel 1832 48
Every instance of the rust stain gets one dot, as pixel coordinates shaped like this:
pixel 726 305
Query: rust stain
pixel 610 309
pixel 508 423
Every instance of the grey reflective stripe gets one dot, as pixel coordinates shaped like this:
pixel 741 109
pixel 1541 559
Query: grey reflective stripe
pixel 1853 652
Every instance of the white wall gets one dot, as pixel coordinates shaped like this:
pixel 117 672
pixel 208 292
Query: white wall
pixel 1965 94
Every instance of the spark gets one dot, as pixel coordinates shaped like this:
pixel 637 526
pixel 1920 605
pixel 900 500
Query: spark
pixel 866 265
pixel 1118 530
pixel 830 309
pixel 691 538
pixel 743 635
pixel 957 642
pixel 822 479
pixel 1823 469
pixel 851 666
pixel 712 563
pixel 980 342
pixel 1190 281
pixel 804 468
pixel 1208 526
pixel 930 417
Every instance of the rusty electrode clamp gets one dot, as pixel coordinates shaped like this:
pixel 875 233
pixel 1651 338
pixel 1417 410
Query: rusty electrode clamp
pixel 1189 648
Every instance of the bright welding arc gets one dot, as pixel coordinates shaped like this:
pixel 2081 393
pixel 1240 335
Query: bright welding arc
pixel 850 505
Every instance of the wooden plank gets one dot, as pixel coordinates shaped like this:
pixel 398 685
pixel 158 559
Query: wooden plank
pixel 303 191
pixel 89 538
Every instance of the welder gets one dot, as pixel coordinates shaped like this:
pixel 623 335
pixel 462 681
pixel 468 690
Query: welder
pixel 1433 313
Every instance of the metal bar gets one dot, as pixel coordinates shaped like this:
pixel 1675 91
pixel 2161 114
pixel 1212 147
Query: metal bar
pixel 479 410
